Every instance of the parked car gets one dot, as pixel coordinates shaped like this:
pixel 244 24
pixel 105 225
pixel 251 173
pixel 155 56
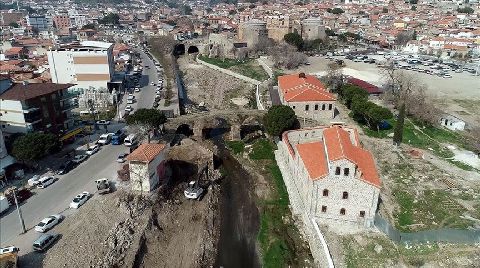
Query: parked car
pixel 103 122
pixel 48 223
pixel 66 167
pixel 8 249
pixel 44 182
pixel 79 158
pixel 34 180
pixel 193 191
pixel 121 158
pixel 137 89
pixel 92 149
pixel 104 139
pixel 79 200
pixel 103 186
pixel 129 108
pixel 44 241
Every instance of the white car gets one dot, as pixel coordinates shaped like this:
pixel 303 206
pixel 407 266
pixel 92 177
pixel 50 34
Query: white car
pixel 9 249
pixel 104 139
pixel 34 180
pixel 103 122
pixel 79 200
pixel 193 191
pixel 92 149
pixel 79 158
pixel 122 157
pixel 137 89
pixel 152 84
pixel 48 223
pixel 129 108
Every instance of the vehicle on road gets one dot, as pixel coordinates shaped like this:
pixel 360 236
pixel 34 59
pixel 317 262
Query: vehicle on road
pixel 103 122
pixel 66 167
pixel 152 84
pixel 44 241
pixel 130 140
pixel 103 186
pixel 8 249
pixel 193 191
pixel 34 180
pixel 121 158
pixel 92 149
pixel 79 158
pixel 104 139
pixel 44 182
pixel 129 108
pixel 79 200
pixel 4 204
pixel 137 89
pixel 130 101
pixel 118 137
pixel 48 223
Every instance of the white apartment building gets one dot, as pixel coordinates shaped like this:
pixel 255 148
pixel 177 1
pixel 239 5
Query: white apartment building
pixel 88 65
pixel 328 175
pixel 76 19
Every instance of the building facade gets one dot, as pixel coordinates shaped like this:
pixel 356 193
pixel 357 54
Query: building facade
pixel 61 21
pixel 147 166
pixel 38 22
pixel 88 65
pixel 253 32
pixel 334 176
pixel 307 96
pixel 36 107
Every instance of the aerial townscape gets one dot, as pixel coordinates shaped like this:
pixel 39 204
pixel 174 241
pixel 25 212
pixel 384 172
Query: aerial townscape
pixel 240 133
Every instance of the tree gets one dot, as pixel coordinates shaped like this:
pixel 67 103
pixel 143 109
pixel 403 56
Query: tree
pixel 110 18
pixel 413 2
pixel 398 131
pixel 330 32
pixel 278 119
pixel 34 146
pixel 186 10
pixel 88 26
pixel 294 39
pixel 334 77
pixel 466 10
pixel 335 10
pixel 349 93
pixel 147 120
pixel 384 10
pixel 232 12
pixel 13 25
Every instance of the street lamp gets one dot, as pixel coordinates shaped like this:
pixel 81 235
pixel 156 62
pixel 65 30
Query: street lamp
pixel 19 210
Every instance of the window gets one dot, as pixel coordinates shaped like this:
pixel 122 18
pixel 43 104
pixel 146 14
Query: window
pixel 330 106
pixel 346 171
pixel 345 195
pixel 306 107
pixel 324 209
pixel 362 213
pixel 293 107
pixel 323 107
pixel 325 192
pixel 337 171
pixel 316 107
pixel 342 211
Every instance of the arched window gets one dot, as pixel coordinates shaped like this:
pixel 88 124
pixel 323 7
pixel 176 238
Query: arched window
pixel 346 171
pixel 342 211
pixel 325 192
pixel 345 195
pixel 323 106
pixel 337 171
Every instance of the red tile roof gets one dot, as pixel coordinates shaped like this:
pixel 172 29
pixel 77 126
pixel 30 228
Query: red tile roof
pixel 340 146
pixel 300 87
pixel 30 91
pixel 313 157
pixel 371 89
pixel 146 152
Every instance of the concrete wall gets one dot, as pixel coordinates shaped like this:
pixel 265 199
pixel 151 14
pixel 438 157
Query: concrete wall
pixel 139 177
pixel 12 119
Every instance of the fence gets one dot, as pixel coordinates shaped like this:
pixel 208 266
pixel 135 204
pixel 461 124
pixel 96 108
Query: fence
pixel 438 235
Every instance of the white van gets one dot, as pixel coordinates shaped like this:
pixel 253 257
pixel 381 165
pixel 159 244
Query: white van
pixel 45 181
pixel 130 140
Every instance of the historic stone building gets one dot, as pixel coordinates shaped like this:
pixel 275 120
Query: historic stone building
pixel 252 32
pixel 306 95
pixel 329 175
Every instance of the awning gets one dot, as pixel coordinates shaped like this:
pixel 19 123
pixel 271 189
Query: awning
pixel 6 161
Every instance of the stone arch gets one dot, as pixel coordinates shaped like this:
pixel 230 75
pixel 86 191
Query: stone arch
pixel 193 49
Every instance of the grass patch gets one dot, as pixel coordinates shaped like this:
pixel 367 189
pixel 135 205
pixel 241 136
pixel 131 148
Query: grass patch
pixel 248 68
pixel 357 255
pixel 432 209
pixel 237 147
pixel 262 149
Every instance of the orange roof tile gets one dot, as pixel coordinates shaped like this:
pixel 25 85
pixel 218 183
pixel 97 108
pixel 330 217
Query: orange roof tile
pixel 313 157
pixel 339 146
pixel 146 152
pixel 298 88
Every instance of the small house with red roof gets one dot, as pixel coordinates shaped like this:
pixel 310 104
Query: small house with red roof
pixel 369 88
pixel 306 95
pixel 147 166
pixel 329 175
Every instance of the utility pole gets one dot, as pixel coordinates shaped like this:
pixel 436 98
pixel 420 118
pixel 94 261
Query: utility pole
pixel 19 211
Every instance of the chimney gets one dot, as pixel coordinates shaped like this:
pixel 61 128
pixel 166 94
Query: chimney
pixel 301 75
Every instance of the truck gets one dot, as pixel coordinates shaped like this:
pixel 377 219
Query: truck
pixel 103 186
pixel 4 204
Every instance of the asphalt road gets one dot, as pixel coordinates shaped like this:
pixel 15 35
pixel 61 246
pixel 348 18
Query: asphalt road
pixel 57 197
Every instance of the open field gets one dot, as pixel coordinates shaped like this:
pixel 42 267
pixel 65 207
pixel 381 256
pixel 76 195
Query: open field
pixel 248 68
